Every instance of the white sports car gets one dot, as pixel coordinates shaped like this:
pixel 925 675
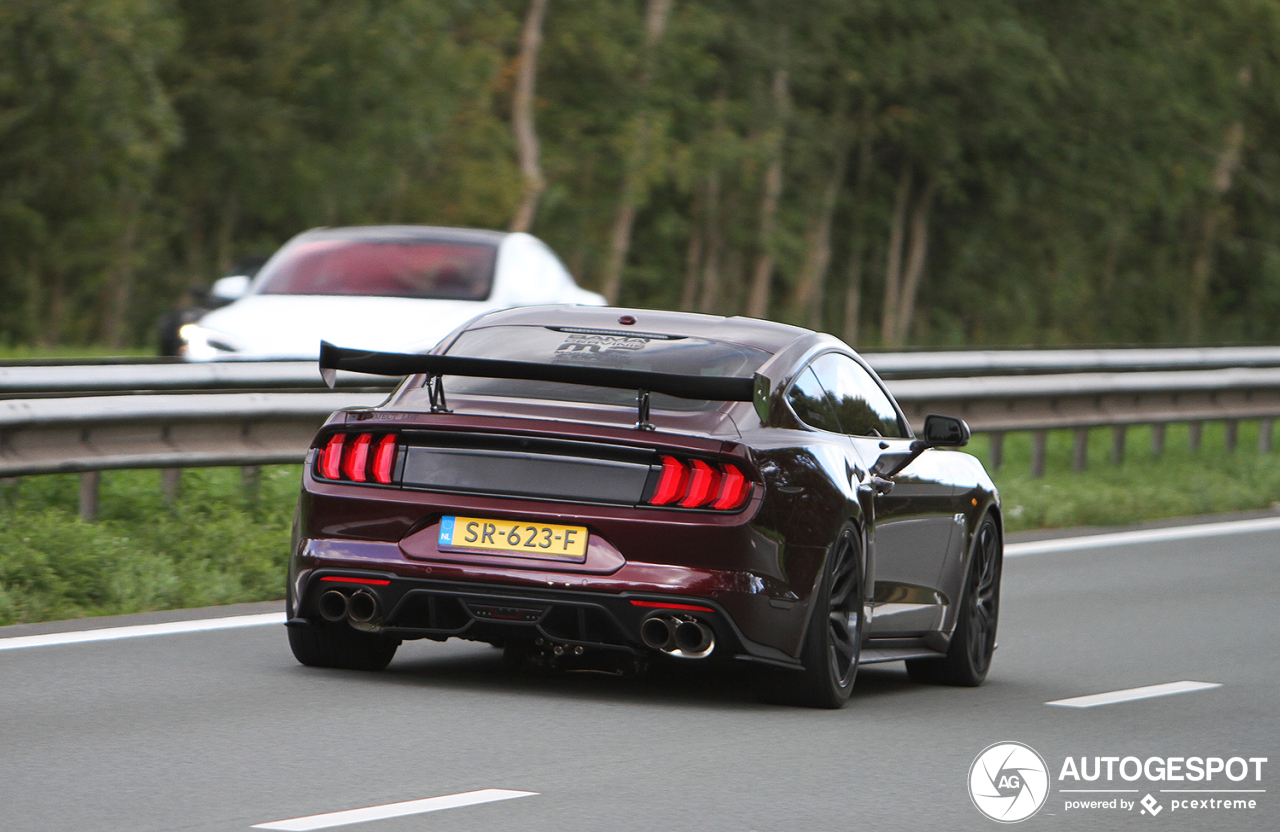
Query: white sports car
pixel 387 287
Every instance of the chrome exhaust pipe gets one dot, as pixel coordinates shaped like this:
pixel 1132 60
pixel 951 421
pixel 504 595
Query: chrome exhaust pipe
pixel 333 605
pixel 694 639
pixel 658 632
pixel 683 638
pixel 362 607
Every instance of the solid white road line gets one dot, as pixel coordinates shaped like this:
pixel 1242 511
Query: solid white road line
pixel 1098 541
pixel 1132 693
pixel 113 633
pixel 392 810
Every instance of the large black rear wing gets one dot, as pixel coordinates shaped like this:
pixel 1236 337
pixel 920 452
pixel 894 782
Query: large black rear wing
pixel 714 388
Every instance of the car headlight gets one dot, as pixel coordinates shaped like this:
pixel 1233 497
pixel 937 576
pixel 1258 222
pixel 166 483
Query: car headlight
pixel 199 343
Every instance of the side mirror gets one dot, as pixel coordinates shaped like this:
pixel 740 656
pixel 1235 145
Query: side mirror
pixel 945 432
pixel 230 288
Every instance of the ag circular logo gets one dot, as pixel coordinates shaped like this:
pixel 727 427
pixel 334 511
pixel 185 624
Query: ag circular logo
pixel 1008 782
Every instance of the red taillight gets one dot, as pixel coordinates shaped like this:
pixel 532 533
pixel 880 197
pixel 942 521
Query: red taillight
pixel 702 485
pixel 384 458
pixel 694 483
pixel 358 458
pixel 734 488
pixel 331 460
pixel 671 482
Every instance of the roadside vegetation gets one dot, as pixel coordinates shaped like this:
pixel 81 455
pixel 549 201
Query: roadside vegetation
pixel 217 545
pixel 214 545
pixel 925 173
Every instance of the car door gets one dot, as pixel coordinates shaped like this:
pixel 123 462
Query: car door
pixel 915 526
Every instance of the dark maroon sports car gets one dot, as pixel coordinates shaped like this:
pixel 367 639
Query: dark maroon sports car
pixel 592 487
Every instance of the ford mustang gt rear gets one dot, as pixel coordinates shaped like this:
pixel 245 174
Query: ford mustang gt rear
pixel 604 488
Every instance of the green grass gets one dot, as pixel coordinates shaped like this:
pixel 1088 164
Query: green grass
pixel 1178 483
pixel 215 546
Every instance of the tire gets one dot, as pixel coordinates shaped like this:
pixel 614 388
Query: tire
pixel 324 644
pixel 833 640
pixel 974 639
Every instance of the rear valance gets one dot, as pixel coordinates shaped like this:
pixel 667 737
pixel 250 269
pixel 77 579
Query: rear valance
pixel 714 388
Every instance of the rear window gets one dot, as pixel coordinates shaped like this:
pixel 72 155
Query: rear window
pixel 649 352
pixel 396 269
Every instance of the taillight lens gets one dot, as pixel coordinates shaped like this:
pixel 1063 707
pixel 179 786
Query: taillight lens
pixel 695 483
pixel 355 461
pixel 702 484
pixel 331 460
pixel 385 458
pixel 671 482
pixel 358 458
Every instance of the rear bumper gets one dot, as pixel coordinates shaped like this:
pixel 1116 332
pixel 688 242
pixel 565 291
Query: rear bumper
pixel 414 607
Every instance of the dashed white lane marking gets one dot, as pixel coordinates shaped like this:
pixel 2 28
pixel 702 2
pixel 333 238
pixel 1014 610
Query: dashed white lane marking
pixel 1098 541
pixel 141 630
pixel 1133 693
pixel 392 810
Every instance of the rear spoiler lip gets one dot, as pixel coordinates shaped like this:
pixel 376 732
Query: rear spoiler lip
pixel 713 388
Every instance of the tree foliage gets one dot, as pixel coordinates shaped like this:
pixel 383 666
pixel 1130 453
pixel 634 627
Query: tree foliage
pixel 935 172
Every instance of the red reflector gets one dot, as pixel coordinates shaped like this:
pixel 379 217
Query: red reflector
pixel 356 460
pixel 661 606
pixel 384 458
pixel 671 483
pixel 734 488
pixel 368 581
pixel 331 459
pixel 702 485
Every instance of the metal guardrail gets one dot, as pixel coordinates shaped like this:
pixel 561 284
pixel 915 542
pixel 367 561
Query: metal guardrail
pixel 49 379
pixel 92 433
pixel 1023 362
pixel 97 379
pixel 1082 401
pixel 99 433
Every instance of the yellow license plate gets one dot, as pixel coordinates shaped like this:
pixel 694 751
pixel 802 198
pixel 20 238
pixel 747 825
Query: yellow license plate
pixel 524 538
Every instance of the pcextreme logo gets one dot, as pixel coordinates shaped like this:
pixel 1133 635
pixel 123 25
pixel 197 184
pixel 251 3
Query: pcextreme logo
pixel 1008 782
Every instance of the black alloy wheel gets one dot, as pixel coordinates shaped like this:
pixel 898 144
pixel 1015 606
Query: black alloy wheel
pixel 833 641
pixel 974 640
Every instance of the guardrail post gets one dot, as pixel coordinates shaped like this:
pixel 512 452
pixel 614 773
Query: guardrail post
pixel 997 450
pixel 170 484
pixel 1196 433
pixel 1039 445
pixel 89 482
pixel 1264 436
pixel 250 476
pixel 1157 439
pixel 1080 450
pixel 1231 433
pixel 1117 444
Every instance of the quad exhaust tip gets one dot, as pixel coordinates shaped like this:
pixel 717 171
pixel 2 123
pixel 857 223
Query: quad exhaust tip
pixel 333 605
pixel 361 607
pixel 683 637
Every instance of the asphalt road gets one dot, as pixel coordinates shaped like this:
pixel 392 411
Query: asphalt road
pixel 222 730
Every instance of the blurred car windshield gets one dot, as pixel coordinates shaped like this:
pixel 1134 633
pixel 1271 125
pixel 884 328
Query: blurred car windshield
pixel 399 269
pixel 565 345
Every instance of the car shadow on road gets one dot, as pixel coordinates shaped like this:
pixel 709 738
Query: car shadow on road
pixel 480 669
